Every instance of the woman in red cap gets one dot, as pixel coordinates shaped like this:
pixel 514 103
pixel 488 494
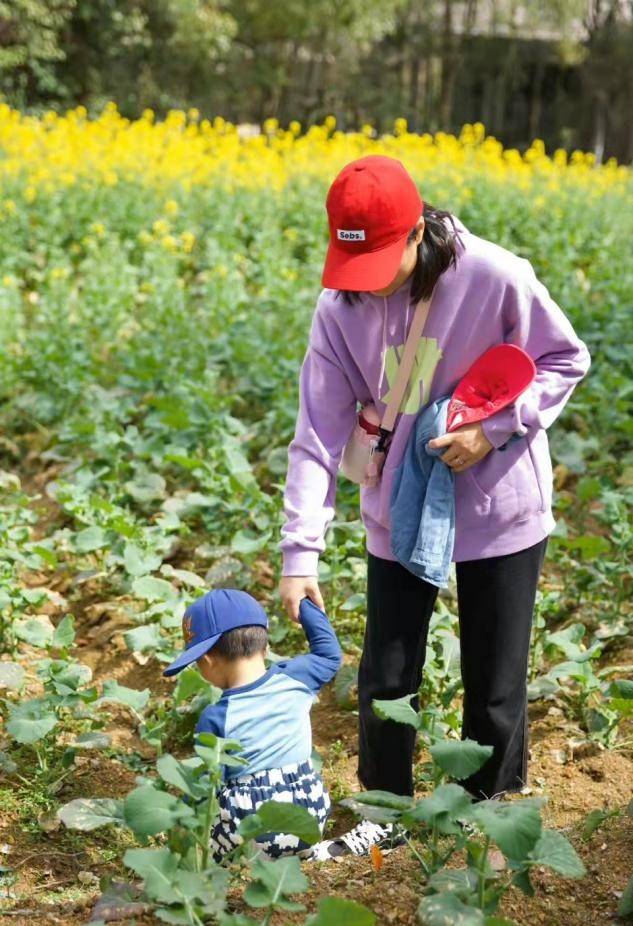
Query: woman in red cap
pixel 388 250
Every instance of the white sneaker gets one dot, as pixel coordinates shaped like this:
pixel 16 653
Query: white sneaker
pixel 357 841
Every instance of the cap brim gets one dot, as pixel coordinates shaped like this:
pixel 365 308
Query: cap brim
pixel 190 655
pixel 362 271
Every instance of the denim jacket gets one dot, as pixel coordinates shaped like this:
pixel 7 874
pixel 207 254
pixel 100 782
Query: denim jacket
pixel 422 502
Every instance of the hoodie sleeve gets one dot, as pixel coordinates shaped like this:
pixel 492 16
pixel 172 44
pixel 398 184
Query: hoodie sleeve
pixel 327 413
pixel 535 322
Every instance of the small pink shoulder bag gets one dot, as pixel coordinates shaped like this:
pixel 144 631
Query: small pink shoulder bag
pixel 365 452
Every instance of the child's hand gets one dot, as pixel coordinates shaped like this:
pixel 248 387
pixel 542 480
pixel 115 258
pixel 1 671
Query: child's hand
pixel 293 588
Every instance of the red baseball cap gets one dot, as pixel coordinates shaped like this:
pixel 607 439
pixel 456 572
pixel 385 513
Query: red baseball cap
pixel 372 205
pixel 495 379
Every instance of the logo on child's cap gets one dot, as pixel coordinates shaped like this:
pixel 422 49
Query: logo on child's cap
pixel 187 630
pixel 209 617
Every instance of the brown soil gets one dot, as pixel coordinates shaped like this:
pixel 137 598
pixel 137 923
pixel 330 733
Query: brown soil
pixel 575 783
pixel 50 867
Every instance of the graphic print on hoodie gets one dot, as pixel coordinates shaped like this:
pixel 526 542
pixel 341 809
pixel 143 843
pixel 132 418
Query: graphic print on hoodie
pixel 418 390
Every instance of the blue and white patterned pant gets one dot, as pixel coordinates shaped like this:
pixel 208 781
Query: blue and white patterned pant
pixel 291 784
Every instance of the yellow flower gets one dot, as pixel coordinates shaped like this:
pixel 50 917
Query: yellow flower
pixel 161 227
pixel 188 240
pixel 169 242
pixel 180 154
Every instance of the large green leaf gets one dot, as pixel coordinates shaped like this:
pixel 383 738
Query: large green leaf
pixel 460 881
pixel 30 721
pixel 148 811
pixel 448 910
pixel 442 808
pixel 397 709
pixel 334 911
pixel 556 852
pixel 594 820
pixel 191 682
pixel 384 799
pixel 245 542
pixel 143 639
pixel 345 684
pixel 515 826
pixel 177 774
pixel 11 675
pixel 149 588
pixel 146 487
pixel 90 813
pixel 207 887
pixel 280 817
pixel 272 881
pixel 90 539
pixel 621 688
pixel 64 634
pixel 38 631
pixel 131 697
pixel 460 758
pixel 139 562
pixel 159 870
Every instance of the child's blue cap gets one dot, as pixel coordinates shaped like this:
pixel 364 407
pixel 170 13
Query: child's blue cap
pixel 209 617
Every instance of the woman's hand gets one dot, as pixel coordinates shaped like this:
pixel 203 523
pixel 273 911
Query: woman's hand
pixel 293 588
pixel 464 447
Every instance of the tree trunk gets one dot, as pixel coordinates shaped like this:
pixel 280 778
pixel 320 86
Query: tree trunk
pixel 599 126
pixel 448 68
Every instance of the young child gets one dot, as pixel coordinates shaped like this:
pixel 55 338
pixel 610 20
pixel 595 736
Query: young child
pixel 266 710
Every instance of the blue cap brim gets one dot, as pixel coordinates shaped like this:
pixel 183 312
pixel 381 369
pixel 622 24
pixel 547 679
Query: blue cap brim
pixel 190 655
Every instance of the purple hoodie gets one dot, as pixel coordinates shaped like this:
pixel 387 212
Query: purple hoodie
pixel 503 503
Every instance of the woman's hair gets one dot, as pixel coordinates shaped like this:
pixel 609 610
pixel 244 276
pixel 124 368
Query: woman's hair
pixel 436 253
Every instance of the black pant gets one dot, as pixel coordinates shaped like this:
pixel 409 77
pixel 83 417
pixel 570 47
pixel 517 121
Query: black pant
pixel 496 602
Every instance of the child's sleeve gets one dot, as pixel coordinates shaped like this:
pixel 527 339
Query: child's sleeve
pixel 213 719
pixel 321 664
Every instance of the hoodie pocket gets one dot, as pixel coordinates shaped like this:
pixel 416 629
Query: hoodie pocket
pixel 504 487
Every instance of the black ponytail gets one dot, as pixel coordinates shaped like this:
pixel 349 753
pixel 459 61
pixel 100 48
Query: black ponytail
pixel 436 253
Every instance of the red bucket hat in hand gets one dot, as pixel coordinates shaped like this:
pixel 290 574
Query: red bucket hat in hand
pixel 372 206
pixel 495 379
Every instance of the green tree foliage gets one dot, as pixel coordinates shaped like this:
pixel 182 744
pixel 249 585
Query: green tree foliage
pixel 560 71
pixel 31 47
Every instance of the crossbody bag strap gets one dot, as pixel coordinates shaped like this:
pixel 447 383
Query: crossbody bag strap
pixel 406 364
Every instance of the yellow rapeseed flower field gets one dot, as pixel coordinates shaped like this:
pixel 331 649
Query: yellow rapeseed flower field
pixel 44 154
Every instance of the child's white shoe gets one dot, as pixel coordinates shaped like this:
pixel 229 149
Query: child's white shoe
pixel 357 841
